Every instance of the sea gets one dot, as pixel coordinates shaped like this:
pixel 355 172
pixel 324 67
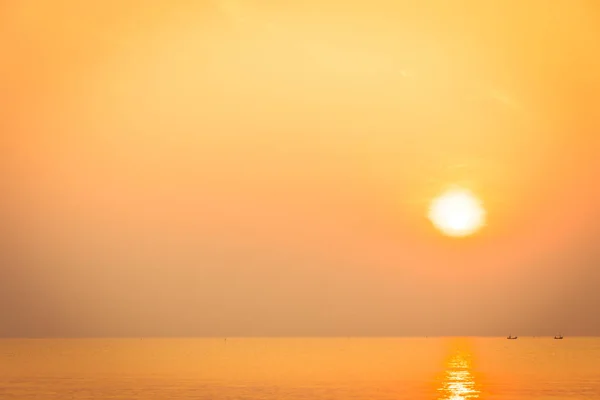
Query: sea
pixel 300 368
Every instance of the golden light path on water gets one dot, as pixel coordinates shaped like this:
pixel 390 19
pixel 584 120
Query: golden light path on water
pixel 459 381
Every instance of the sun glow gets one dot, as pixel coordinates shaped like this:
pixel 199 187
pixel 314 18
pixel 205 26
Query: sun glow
pixel 459 382
pixel 457 212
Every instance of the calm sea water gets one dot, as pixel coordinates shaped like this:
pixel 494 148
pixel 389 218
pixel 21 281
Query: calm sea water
pixel 302 369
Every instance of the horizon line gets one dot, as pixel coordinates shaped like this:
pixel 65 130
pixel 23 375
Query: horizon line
pixel 290 337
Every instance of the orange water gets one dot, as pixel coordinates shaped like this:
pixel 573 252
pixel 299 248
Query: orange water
pixel 300 368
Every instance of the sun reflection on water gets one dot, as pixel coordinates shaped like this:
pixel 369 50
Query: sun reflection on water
pixel 458 382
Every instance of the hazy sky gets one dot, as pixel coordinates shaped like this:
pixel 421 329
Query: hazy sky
pixel 265 167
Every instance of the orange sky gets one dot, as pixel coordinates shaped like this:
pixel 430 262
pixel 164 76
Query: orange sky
pixel 254 168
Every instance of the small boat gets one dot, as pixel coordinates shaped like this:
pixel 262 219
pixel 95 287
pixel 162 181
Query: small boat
pixel 510 337
pixel 559 337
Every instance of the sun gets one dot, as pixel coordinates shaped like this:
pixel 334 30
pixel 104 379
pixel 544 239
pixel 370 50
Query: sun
pixel 457 212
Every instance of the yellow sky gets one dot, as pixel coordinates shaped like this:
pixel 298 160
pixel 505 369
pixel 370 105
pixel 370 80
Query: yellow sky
pixel 269 165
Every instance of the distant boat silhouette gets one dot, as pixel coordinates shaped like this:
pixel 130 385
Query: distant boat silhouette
pixel 559 337
pixel 510 337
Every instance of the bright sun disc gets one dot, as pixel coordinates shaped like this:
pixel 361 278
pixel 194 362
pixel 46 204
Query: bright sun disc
pixel 457 212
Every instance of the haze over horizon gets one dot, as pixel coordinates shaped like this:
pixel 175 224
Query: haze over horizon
pixel 254 168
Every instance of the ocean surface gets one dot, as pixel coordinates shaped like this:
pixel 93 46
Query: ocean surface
pixel 300 368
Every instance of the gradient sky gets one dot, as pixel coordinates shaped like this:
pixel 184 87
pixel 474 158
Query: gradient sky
pixel 265 167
